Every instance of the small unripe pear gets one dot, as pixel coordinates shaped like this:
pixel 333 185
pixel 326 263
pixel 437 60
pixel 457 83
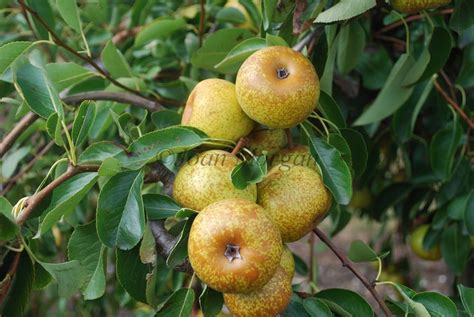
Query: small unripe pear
pixel 414 6
pixel 299 155
pixel 295 198
pixel 277 87
pixel 269 140
pixel 213 108
pixel 416 242
pixel 234 247
pixel 206 178
pixel 268 301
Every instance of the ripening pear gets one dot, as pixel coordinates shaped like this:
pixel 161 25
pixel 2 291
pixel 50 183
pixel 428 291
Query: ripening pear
pixel 206 178
pixel 298 155
pixel 287 262
pixel 264 139
pixel 277 87
pixel 234 247
pixel 416 242
pixel 213 108
pixel 295 198
pixel 414 6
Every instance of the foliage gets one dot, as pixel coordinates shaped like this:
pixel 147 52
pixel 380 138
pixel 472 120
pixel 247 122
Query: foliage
pixel 395 118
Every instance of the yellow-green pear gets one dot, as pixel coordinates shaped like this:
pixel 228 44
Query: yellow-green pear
pixel 295 198
pixel 206 178
pixel 414 6
pixel 213 108
pixel 298 155
pixel 264 139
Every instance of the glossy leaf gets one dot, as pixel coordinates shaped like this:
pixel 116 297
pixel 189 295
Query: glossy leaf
pixel 344 10
pixel 11 51
pixel 97 152
pixel 210 301
pixel 358 148
pixel 70 276
pixel 436 304
pixel 158 206
pixel 442 149
pixel 83 122
pixel 275 40
pixel 249 172
pixel 65 75
pixel 393 94
pixel 37 90
pixel 115 62
pixel 361 252
pixel 65 198
pixel 180 304
pixel 336 174
pixel 352 42
pixel 179 252
pixel 348 300
pixel 110 167
pixel 85 247
pixel 165 118
pixel 239 53
pixel 8 227
pixel 120 213
pixel 330 109
pixel 455 248
pixel 132 273
pixel 70 13
pixel 467 298
pixel 317 308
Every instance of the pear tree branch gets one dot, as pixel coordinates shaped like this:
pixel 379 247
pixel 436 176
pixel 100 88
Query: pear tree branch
pixel 348 264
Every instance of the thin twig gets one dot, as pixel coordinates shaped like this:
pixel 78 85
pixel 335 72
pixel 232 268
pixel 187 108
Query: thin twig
pixel 10 274
pixel 122 35
pixel 12 181
pixel 412 18
pixel 242 142
pixel 307 39
pixel 37 198
pixel 289 139
pixel 86 59
pixel 347 263
pixel 391 39
pixel 19 128
pixel 450 84
pixel 454 104
pixel 202 20
pixel 121 97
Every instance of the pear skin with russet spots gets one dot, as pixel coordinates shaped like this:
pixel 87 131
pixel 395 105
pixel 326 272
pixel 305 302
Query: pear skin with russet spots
pixel 414 6
pixel 234 247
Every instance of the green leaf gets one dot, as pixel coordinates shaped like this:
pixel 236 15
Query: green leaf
pixel 345 10
pixel 12 159
pixel 65 75
pixel 37 91
pixel 70 276
pixel 467 298
pixel 317 308
pixel 159 144
pixel 148 246
pixel 158 29
pixel 45 11
pixel 469 215
pixel 269 7
pixel 458 206
pixel 179 252
pixel 239 54
pixel 10 52
pixel 352 42
pixel 18 298
pixel 442 149
pixel 374 66
pixel 341 145
pixel 165 118
pixel 120 213
pixel 132 273
pixel 403 122
pixel 440 49
pixel 110 167
pixel 300 265
pixel 348 300
pixel 295 308
pixel 115 62
pixel 54 129
pixel 463 16
pixel 275 40
pixel 158 206
pixel 85 247
pixel 83 122
pixel 70 13
pixel 249 172
pixel 455 248
pixel 97 152
pixel 359 151
pixel 65 198
pixel 211 302
pixel 180 304
pixel 393 94
pixel 436 304
pixel 230 15
pixel 8 227
pixel 336 173
pixel 361 252
pixel 42 277
pixel 216 46
pixel 330 110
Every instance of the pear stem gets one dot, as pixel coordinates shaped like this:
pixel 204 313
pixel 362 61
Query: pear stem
pixel 289 138
pixel 242 142
pixel 348 264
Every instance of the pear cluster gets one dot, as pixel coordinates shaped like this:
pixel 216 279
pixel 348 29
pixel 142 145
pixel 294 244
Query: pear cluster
pixel 237 241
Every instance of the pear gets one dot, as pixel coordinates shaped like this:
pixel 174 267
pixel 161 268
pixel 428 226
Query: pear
pixel 234 247
pixel 269 140
pixel 295 198
pixel 287 262
pixel 416 242
pixel 414 6
pixel 277 87
pixel 298 155
pixel 206 178
pixel 213 108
